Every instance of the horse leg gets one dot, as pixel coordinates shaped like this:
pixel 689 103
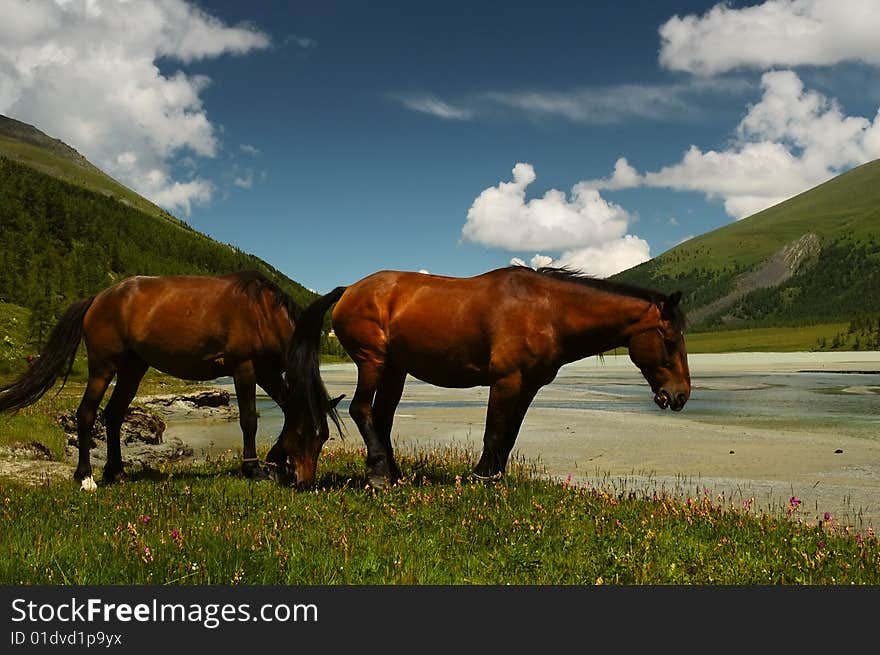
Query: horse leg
pixel 274 385
pixel 246 395
pixel 384 405
pixel 99 379
pixel 128 378
pixel 509 399
pixel 361 410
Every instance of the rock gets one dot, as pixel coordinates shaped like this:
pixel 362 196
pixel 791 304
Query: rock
pixel 204 398
pixel 204 404
pixel 32 450
pixel 139 425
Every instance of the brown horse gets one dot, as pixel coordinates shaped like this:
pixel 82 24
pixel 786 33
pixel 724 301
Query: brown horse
pixel 510 329
pixel 195 328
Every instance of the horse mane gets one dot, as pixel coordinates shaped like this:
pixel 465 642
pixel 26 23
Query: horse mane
pixel 307 391
pixel 254 283
pixel 566 274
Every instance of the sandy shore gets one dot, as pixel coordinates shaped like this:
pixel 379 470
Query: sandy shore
pixel 832 472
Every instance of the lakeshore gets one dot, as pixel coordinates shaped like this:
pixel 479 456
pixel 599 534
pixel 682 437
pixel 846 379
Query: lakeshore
pixel 596 423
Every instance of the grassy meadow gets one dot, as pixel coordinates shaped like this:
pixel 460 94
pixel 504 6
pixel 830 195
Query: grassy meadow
pixel 204 525
pixel 776 339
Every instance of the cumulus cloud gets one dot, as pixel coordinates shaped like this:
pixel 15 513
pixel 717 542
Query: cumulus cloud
pixel 790 141
pixel 607 258
pixel 86 72
pixel 776 33
pixel 244 181
pixel 625 176
pixel 588 230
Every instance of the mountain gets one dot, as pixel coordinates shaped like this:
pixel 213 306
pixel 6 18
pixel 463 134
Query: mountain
pixel 812 259
pixel 68 230
pixel 27 145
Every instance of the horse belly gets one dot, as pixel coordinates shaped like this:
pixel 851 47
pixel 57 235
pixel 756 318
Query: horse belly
pixel 192 365
pixel 444 369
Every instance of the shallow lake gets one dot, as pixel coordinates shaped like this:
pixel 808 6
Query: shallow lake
pixel 765 425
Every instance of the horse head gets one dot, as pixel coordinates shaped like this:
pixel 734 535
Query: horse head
pixel 660 353
pixel 304 436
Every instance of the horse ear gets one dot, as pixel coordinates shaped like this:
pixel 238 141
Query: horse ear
pixel 335 401
pixel 671 303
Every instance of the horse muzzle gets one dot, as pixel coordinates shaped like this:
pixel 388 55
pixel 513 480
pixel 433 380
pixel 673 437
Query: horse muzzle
pixel 304 470
pixel 675 402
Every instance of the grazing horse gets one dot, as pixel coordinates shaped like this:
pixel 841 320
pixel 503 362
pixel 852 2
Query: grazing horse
pixel 191 327
pixel 511 330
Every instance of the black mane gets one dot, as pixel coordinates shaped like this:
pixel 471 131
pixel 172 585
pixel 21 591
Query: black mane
pixel 620 288
pixel 254 283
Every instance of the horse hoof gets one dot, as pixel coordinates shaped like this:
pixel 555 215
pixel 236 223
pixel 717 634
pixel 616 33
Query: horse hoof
pixel 379 481
pixel 112 476
pixel 255 473
pixel 88 484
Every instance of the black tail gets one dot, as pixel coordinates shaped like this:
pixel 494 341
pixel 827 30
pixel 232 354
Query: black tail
pixel 57 358
pixel 307 390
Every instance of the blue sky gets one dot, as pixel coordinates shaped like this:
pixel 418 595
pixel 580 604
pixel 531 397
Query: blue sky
pixel 340 139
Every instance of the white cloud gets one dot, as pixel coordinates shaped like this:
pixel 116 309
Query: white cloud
pixel 615 103
pixel 590 231
pixel 304 42
pixel 607 258
pixel 244 181
pixel 600 261
pixel 624 176
pixel 790 141
pixel 597 105
pixel 435 107
pixel 86 72
pixel 776 33
pixel 248 149
pixel 183 195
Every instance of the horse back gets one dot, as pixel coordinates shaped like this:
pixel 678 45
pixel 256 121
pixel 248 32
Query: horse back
pixel 444 330
pixel 172 322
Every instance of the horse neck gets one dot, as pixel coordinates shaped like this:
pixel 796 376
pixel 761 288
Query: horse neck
pixel 593 321
pixel 278 321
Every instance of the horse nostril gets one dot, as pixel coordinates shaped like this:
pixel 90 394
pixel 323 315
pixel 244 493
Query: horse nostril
pixel 681 399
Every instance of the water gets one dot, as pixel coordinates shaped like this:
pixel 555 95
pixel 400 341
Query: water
pixel 768 426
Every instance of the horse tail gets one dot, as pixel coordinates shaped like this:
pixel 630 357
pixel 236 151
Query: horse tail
pixel 307 389
pixel 55 359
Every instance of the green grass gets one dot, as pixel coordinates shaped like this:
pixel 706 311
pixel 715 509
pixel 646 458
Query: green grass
pixel 34 425
pixel 206 526
pixel 778 339
pixel 14 346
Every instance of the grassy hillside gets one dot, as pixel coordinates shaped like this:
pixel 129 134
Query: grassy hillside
pixel 844 209
pixel 812 259
pixel 68 230
pixel 60 242
pixel 27 145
